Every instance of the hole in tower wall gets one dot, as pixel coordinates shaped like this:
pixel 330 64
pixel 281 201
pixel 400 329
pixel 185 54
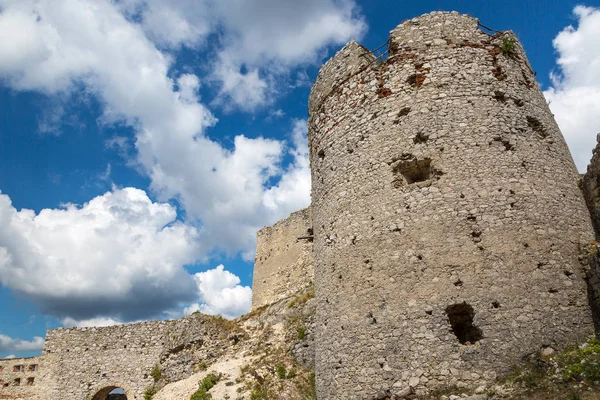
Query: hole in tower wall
pixel 537 126
pixel 500 96
pixel 321 154
pixel 461 319
pixel 409 170
pixel 420 138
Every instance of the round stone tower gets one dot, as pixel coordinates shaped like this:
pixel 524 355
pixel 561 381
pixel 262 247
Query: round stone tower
pixel 446 212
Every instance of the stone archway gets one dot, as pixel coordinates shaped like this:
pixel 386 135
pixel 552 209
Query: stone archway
pixel 106 394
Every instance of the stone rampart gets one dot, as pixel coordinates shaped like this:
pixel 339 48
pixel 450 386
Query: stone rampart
pixel 88 363
pixel 20 378
pixel 284 260
pixel 447 218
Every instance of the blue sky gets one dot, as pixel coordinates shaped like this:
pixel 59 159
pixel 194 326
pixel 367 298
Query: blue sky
pixel 143 143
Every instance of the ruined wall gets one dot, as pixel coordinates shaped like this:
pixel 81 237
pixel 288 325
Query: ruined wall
pixel 20 378
pixel 447 217
pixel 284 263
pixel 591 187
pixel 82 362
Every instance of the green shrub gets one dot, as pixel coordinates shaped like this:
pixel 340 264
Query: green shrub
pixel 201 394
pixel 203 366
pixel 301 332
pixel 259 392
pixel 149 392
pixel 281 371
pixel 156 373
pixel 581 364
pixel 209 381
pixel 508 45
pixel 291 374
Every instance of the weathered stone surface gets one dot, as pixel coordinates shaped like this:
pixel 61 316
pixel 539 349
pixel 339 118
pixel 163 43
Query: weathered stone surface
pixel 86 363
pixel 447 217
pixel 20 378
pixel 591 187
pixel 284 263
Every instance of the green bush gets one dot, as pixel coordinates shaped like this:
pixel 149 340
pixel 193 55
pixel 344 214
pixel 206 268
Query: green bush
pixel 281 371
pixel 259 392
pixel 201 394
pixel 149 392
pixel 581 364
pixel 291 374
pixel 156 373
pixel 301 332
pixel 209 381
pixel 508 45
pixel 203 366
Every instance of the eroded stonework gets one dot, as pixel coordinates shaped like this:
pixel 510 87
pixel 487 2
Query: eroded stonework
pixel 447 217
pixel 451 240
pixel 88 363
pixel 284 262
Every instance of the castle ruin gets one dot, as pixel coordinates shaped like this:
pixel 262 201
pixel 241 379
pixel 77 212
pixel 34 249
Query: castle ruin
pixel 447 217
pixel 447 239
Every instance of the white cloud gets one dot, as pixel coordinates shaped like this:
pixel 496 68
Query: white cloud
pixel 8 344
pixel 10 357
pixel 221 293
pixel 116 52
pixel 294 188
pixel 69 322
pixel 575 93
pixel 120 254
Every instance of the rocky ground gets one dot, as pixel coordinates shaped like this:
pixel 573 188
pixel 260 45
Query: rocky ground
pixel 270 355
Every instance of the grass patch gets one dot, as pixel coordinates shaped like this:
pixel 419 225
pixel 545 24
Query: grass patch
pixel 581 364
pixel 302 298
pixel 149 392
pixel 301 332
pixel 207 383
pixel 156 373
pixel 281 372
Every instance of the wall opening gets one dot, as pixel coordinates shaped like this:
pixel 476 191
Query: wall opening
pixel 110 393
pixel 408 170
pixel 461 319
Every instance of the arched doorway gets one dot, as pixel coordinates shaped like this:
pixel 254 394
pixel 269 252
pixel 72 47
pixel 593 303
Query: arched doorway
pixel 110 393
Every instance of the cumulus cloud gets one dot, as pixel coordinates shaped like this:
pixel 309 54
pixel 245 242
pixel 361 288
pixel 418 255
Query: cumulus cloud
pixel 77 42
pixel 91 322
pixel 221 293
pixel 294 188
pixel 8 344
pixel 258 41
pixel 575 93
pixel 120 254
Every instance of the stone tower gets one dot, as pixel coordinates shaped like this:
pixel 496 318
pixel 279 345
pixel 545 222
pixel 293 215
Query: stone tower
pixel 446 213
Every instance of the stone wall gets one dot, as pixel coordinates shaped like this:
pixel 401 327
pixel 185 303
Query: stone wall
pixel 591 187
pixel 447 217
pixel 20 378
pixel 88 363
pixel 284 263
